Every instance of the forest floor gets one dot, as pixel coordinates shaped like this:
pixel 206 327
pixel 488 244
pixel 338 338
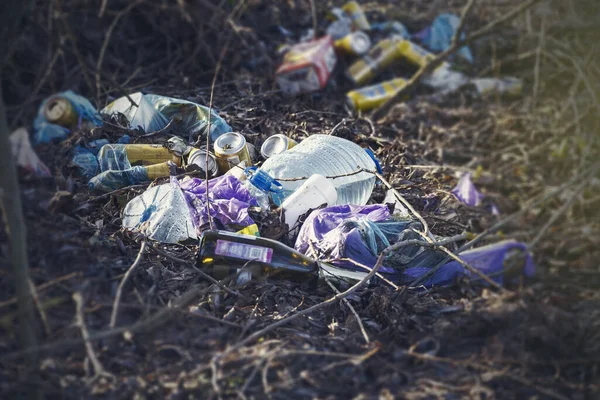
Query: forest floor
pixel 180 336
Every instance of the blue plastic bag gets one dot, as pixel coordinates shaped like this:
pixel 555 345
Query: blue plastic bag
pixel 116 170
pixel 45 132
pixel 86 157
pixel 438 36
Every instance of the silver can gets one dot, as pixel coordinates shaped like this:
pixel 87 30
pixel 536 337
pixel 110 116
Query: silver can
pixel 230 150
pixel 199 157
pixel 276 144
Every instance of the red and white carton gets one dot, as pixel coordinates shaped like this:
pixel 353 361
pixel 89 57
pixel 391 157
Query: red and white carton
pixel 307 66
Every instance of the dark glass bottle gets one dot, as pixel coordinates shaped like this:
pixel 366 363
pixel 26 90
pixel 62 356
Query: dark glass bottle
pixel 225 253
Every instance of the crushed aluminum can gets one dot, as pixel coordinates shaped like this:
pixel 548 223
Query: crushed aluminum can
pixel 307 66
pixel 379 57
pixel 276 144
pixel 231 149
pixel 356 13
pixel 59 110
pixel 201 157
pixel 367 98
pixel 356 43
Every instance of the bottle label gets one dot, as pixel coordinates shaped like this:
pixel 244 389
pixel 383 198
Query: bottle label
pixel 244 251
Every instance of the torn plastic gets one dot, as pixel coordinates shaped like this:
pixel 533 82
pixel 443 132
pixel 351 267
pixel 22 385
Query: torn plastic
pixel 500 261
pixel 228 203
pixel 24 155
pixel 154 112
pixel 466 192
pixel 45 132
pixel 438 36
pixel 161 213
pixel 116 171
pixel 361 233
pixel 86 157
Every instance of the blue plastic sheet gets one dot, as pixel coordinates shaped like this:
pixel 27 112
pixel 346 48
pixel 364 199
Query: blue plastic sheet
pixel 438 36
pixel 45 132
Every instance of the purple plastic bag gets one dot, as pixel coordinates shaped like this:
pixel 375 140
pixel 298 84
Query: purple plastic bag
pixel 228 201
pixel 466 192
pixel 487 259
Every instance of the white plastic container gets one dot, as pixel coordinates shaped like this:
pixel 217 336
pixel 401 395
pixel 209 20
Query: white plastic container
pixel 316 191
pixel 328 156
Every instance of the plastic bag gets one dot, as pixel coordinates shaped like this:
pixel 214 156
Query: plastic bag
pixel 116 171
pixel 24 155
pixel 438 36
pixel 361 233
pixel 228 202
pixel 86 157
pixel 46 132
pixel 154 112
pixel 466 192
pixel 161 213
pixel 490 260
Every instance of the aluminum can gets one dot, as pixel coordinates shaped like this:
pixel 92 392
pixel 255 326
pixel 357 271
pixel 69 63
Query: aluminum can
pixel 230 149
pixel 356 44
pixel 276 144
pixel 379 57
pixel 356 13
pixel 160 170
pixel 367 98
pixel 59 110
pixel 199 157
pixel 414 53
pixel 148 154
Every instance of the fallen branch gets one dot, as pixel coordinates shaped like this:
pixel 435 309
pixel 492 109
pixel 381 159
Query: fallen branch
pixel 115 311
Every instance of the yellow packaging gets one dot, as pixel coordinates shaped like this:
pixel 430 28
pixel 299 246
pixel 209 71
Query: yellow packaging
pixel 367 98
pixel 379 57
pixel 250 230
pixel 157 170
pixel 355 43
pixel 414 53
pixel 148 154
pixel 357 15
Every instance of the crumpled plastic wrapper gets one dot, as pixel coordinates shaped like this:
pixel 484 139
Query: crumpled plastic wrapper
pixel 24 155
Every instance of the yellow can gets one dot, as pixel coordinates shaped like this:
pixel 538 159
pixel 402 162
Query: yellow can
pixel 160 170
pixel 148 154
pixel 379 57
pixel 414 53
pixel 356 43
pixel 373 96
pixel 59 110
pixel 230 150
pixel 357 15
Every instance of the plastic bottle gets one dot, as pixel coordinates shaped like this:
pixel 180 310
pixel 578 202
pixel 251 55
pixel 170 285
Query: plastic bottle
pixel 328 156
pixel 316 191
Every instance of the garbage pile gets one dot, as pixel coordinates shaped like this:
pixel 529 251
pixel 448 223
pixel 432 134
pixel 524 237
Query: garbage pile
pixel 373 51
pixel 319 190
